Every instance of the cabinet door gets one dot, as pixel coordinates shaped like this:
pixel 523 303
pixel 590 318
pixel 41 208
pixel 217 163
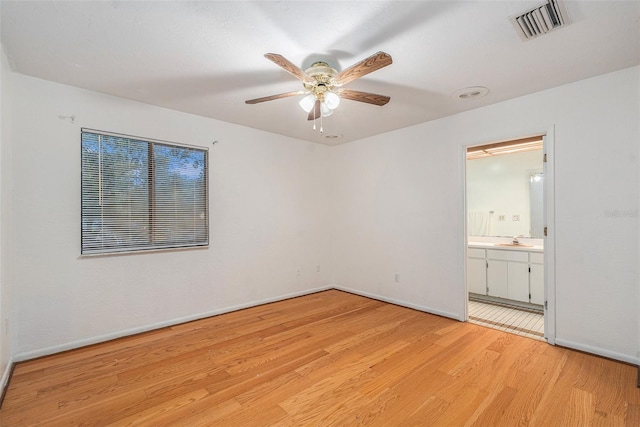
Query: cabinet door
pixel 518 281
pixel 497 277
pixel 537 284
pixel 477 275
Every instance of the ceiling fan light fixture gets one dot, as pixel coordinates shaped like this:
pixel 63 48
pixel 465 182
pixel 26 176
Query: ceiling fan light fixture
pixel 325 110
pixel 323 85
pixel 307 102
pixel 331 100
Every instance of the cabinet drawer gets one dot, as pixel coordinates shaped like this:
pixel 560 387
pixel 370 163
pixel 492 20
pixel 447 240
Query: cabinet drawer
pixel 475 253
pixel 508 255
pixel 536 257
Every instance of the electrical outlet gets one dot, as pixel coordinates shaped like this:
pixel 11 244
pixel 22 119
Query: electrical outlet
pixel 397 277
pixel 500 217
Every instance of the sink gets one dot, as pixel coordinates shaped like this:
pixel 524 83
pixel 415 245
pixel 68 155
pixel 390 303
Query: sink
pixel 514 245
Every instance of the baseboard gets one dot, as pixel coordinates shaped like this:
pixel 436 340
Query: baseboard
pixel 598 351
pixel 426 309
pixel 563 343
pixel 29 355
pixel 120 334
pixel 21 357
pixel 6 376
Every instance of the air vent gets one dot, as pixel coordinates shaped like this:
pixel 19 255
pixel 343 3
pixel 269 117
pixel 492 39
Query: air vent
pixel 540 20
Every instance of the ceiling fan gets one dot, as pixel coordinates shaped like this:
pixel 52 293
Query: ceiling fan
pixel 323 84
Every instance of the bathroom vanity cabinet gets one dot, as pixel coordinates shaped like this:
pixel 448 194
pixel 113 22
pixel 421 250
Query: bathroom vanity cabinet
pixel 477 271
pixel 536 278
pixel 513 274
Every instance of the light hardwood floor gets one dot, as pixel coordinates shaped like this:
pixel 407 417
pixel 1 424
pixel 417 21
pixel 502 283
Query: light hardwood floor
pixel 330 358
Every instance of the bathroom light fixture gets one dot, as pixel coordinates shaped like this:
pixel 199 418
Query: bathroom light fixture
pixel 535 177
pixel 507 147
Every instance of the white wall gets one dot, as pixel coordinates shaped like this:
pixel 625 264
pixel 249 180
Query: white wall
pixel 401 208
pixel 269 203
pixel 5 217
pixel 389 204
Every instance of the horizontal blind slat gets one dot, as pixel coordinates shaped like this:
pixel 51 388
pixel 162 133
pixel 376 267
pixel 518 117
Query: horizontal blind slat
pixel 124 208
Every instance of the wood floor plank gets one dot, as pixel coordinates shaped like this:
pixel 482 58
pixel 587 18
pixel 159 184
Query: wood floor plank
pixel 580 410
pixel 320 391
pixel 161 411
pixel 532 385
pixel 393 370
pixel 203 412
pixel 409 396
pixel 632 416
pixel 330 358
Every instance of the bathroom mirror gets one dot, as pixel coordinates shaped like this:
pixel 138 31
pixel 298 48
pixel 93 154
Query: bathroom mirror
pixel 505 193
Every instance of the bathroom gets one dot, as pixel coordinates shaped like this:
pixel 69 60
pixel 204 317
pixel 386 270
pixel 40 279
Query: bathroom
pixel 505 229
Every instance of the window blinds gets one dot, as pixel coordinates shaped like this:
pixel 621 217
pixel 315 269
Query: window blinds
pixel 142 194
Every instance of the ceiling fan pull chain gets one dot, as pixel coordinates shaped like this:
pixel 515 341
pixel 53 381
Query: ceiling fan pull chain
pixel 321 131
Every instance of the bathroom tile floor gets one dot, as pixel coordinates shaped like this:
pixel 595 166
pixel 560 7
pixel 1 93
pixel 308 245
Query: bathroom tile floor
pixel 519 321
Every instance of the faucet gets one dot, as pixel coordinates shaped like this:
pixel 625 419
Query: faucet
pixel 515 240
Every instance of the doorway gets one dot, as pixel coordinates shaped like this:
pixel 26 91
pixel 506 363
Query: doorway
pixel 508 210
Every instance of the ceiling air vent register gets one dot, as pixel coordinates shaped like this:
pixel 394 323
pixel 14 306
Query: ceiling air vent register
pixel 541 19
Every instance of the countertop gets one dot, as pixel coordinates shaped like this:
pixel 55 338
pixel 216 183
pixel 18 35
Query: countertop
pixel 487 245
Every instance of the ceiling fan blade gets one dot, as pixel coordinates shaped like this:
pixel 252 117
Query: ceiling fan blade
pixel 369 98
pixel 289 67
pixel 272 97
pixel 315 111
pixel 364 67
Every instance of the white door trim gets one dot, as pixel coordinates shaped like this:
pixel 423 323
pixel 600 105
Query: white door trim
pixel 549 221
pixel 549 241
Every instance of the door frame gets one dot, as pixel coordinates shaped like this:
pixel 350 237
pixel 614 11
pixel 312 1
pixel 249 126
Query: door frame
pixel 548 150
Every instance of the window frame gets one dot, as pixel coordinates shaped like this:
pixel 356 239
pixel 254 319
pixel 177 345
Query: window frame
pixel 149 248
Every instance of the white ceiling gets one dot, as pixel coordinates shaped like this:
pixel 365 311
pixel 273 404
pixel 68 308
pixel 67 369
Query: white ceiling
pixel 206 57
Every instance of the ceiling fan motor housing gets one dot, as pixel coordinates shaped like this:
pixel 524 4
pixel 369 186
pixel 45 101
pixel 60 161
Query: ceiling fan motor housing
pixel 324 79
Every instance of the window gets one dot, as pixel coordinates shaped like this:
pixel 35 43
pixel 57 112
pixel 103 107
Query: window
pixel 142 194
